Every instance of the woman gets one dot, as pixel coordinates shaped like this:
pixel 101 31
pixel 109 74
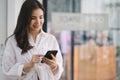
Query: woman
pixel 25 49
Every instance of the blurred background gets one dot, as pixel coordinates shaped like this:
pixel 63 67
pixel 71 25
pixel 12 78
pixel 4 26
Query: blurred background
pixel 87 31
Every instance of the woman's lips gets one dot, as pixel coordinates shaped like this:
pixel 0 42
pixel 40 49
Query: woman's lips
pixel 36 26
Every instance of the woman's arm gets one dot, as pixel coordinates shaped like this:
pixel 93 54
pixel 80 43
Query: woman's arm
pixel 11 69
pixel 35 60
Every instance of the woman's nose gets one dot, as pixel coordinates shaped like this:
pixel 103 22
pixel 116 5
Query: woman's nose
pixel 37 21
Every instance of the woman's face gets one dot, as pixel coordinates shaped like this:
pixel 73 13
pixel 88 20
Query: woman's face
pixel 37 20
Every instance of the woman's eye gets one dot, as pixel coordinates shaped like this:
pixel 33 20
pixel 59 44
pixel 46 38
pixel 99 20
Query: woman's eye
pixel 32 17
pixel 41 17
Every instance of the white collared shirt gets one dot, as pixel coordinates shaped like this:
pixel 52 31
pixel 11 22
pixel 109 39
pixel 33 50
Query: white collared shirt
pixel 13 62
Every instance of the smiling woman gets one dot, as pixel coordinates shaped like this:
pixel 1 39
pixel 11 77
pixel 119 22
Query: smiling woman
pixel 26 47
pixel 37 21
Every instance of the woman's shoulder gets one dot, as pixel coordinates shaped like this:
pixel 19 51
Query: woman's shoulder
pixel 49 35
pixel 11 38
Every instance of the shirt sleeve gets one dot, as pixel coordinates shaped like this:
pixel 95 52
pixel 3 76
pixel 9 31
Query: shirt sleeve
pixel 11 69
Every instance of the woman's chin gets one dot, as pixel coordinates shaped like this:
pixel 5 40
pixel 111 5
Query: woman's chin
pixel 37 29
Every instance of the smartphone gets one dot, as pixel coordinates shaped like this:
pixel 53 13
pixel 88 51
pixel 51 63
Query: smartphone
pixel 48 54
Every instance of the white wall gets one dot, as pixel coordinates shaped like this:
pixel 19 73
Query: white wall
pixel 3 21
pixel 10 16
pixel 3 26
pixel 13 10
pixel 18 4
pixel 40 1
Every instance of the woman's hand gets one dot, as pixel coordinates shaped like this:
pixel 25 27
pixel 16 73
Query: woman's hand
pixel 35 59
pixel 52 63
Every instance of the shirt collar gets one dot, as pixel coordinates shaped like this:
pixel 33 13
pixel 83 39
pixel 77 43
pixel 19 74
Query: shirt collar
pixel 39 36
pixel 42 33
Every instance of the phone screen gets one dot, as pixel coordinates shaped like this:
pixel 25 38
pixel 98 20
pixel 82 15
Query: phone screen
pixel 48 54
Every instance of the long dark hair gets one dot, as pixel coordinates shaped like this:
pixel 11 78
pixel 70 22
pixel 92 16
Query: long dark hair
pixel 24 19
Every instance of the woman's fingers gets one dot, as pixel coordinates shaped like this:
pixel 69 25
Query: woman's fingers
pixel 53 57
pixel 52 63
pixel 36 58
pixel 49 62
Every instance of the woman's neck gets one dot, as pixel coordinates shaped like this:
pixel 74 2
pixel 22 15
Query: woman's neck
pixel 34 35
